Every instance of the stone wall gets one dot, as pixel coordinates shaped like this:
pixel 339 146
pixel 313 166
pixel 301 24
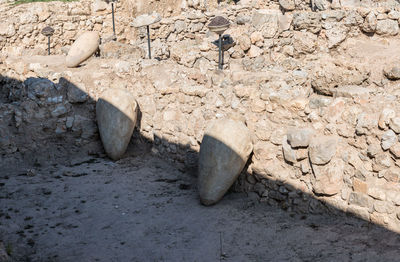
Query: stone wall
pixel 318 89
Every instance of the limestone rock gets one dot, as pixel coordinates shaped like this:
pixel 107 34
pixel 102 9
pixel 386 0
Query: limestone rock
pixel 82 48
pixel 319 5
pixel 254 51
pixel 116 113
pixel 38 87
pixel 304 42
pixel 352 91
pixel 387 27
pixel 7 29
pixel 224 151
pixel 359 199
pixel 327 76
pixel 266 21
pixel 75 94
pixel 389 138
pixel 99 5
pixel 288 5
pixel 395 124
pixel 392 72
pixel 322 149
pixel 244 42
pixel 288 153
pixel 366 123
pixel 307 20
pixel 336 35
pixel 369 25
pixel 328 179
pixel 300 137
pixel 395 150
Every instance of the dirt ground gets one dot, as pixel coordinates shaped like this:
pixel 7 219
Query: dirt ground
pixel 142 208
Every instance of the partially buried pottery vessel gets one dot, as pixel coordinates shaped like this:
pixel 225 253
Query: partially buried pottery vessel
pixel 83 48
pixel 116 113
pixel 224 151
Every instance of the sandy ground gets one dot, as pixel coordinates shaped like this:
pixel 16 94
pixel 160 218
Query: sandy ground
pixel 144 209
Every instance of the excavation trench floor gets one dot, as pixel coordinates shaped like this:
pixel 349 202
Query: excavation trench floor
pixel 144 209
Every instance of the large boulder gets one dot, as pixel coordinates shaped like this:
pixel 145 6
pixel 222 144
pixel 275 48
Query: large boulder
pixel 84 47
pixel 116 112
pixel 224 151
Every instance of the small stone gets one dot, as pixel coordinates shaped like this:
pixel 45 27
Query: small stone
pixel 392 72
pixel 99 5
pixel 59 111
pixel 395 124
pixel 373 150
pixel 288 5
pixel 322 149
pixel 256 37
pixel 288 153
pixel 359 199
pixel 77 94
pixel 393 196
pixel 391 175
pixel 352 91
pixel 254 51
pixel 382 161
pixel 370 22
pixel 224 151
pixel 116 113
pixel 387 27
pixel 384 118
pixel 70 122
pixel 395 150
pixel 85 46
pixel 301 153
pixel 336 35
pixel 377 193
pixel 244 42
pixel 328 179
pixel 320 5
pixel 389 138
pixel 38 87
pixel 299 137
pixel 365 123
pixel 383 207
pixel 359 186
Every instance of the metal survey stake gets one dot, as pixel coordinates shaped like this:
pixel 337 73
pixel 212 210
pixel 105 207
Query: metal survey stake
pixel 48 45
pixel 48 31
pixel 147 20
pixel 218 25
pixel 148 40
pixel 220 52
pixel 113 20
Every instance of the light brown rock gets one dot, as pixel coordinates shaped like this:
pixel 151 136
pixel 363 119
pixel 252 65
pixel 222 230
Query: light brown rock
pixel 224 151
pixel 328 179
pixel 82 48
pixel 322 149
pixel 116 112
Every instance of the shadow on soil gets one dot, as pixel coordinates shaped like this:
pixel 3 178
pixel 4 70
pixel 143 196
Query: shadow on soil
pixel 17 138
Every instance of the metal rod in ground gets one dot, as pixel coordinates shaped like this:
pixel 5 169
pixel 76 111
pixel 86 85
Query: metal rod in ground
pixel 48 45
pixel 148 40
pixel 222 63
pixel 112 11
pixel 220 52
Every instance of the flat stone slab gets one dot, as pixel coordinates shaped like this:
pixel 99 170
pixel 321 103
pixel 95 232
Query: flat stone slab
pixel 146 19
pixel 352 91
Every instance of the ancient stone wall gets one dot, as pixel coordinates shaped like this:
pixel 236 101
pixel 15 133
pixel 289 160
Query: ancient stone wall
pixel 317 88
